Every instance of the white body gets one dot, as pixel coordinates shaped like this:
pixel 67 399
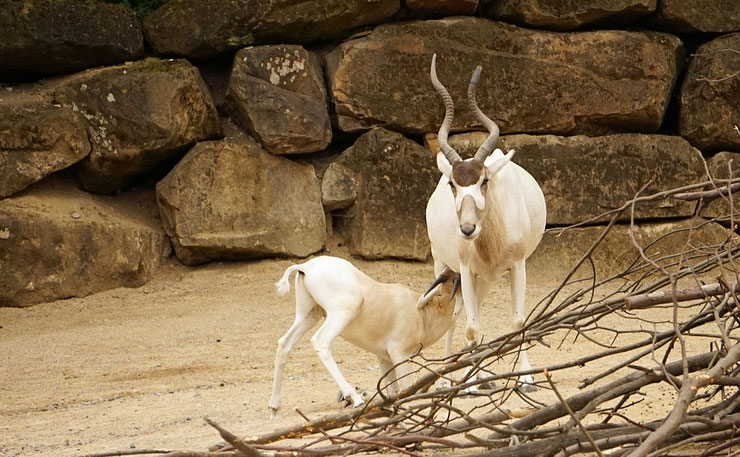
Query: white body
pixel 380 318
pixel 510 230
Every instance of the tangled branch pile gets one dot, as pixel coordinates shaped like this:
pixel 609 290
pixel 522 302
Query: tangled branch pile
pixel 696 288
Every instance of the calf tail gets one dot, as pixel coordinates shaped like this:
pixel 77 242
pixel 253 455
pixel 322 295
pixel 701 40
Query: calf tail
pixel 283 285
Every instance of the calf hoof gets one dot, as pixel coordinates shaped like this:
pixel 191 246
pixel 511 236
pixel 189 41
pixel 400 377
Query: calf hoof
pixel 273 413
pixel 358 399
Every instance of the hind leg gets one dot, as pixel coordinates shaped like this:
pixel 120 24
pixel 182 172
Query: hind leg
pixel 307 315
pixel 334 324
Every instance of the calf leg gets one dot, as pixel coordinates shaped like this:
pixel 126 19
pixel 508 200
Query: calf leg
pixel 388 376
pixel 403 367
pixel 334 324
pixel 306 316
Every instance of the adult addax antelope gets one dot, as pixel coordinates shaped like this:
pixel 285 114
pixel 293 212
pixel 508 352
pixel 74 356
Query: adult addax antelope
pixel 486 216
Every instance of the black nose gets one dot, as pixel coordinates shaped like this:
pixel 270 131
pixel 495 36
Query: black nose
pixel 467 229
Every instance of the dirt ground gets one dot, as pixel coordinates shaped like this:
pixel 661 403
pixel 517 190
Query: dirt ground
pixel 132 369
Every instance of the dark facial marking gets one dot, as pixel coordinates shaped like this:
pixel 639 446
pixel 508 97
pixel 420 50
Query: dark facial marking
pixel 467 173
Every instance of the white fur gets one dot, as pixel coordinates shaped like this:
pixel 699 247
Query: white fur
pixel 381 318
pixel 514 218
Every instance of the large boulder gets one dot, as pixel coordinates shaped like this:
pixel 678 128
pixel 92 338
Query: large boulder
pixel 392 178
pixel 140 116
pixel 687 16
pixel 205 28
pixel 532 81
pixel 231 199
pixel 565 14
pixel 339 186
pixel 43 37
pixel 584 177
pixel 59 242
pixel 560 250
pixel 710 112
pixel 277 93
pixel 37 140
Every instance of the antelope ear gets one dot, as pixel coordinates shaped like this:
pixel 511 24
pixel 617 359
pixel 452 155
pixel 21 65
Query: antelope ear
pixel 495 162
pixel 444 165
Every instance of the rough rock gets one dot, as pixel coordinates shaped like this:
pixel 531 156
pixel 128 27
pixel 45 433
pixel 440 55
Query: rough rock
pixel 277 93
pixel 140 117
pixel 43 37
pixel 712 16
pixel 583 177
pixel 567 15
pixel 205 28
pixel 339 187
pixel 231 199
pixel 724 165
pixel 35 141
pixel 440 8
pixel 559 250
pixel 395 177
pixel 59 242
pixel 590 82
pixel 710 113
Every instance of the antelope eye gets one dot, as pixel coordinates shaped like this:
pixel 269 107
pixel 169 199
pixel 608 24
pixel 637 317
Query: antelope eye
pixel 485 181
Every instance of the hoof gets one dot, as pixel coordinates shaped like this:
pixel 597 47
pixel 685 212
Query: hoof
pixel 488 385
pixel 526 384
pixel 358 399
pixel 443 384
pixel 273 413
pixel 472 390
pixel 487 378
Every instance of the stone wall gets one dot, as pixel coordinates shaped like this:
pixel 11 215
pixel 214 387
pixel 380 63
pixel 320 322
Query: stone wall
pixel 242 129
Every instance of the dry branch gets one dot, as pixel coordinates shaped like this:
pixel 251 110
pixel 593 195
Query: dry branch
pixel 708 194
pixel 667 296
pixel 687 393
pixel 576 309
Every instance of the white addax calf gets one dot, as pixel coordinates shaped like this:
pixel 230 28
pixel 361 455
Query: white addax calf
pixel 486 216
pixel 388 320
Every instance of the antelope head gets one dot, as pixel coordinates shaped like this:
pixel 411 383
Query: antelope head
pixel 468 178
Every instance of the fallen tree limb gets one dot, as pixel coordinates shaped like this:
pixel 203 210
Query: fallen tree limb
pixel 686 395
pixel 246 449
pixel 632 382
pixel 683 295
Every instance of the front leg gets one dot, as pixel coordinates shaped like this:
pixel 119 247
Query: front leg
pixel 518 295
pixel 470 300
pixel 388 376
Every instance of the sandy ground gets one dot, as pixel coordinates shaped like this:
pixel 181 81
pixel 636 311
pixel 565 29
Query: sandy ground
pixel 140 368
